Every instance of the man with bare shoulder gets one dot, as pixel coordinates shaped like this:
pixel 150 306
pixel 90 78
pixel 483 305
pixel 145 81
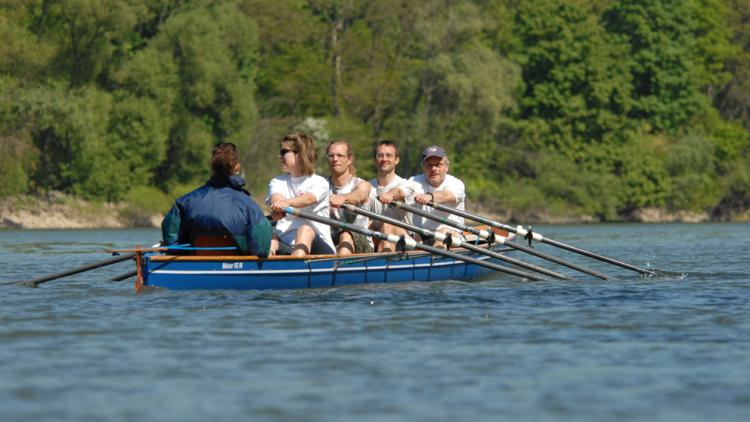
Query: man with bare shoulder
pixel 437 186
pixel 347 188
pixel 386 188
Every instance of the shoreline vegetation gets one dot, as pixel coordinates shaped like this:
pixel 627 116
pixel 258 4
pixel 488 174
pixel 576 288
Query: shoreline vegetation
pixel 559 111
pixel 56 210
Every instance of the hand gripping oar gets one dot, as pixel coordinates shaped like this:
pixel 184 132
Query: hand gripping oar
pixel 409 243
pixel 539 238
pixel 491 237
pixel 453 241
pixel 37 281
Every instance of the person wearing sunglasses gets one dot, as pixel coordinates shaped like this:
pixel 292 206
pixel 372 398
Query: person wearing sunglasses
pixel 347 188
pixel 219 213
pixel 299 187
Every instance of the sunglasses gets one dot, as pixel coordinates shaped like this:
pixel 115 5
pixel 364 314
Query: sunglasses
pixel 283 151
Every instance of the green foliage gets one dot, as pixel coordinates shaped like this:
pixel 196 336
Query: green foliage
pixel 731 99
pixel 736 192
pixel 149 199
pixel 574 86
pixel 556 107
pixel 13 178
pixel 676 48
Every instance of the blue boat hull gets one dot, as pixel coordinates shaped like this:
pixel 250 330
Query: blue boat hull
pixel 245 273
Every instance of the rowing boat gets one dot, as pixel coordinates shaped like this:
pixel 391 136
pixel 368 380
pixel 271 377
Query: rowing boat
pixel 236 272
pixel 284 272
pixel 469 259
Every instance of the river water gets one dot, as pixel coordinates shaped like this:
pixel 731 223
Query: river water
pixel 675 347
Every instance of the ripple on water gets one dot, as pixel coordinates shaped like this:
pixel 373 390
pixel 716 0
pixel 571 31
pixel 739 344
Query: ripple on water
pixel 671 347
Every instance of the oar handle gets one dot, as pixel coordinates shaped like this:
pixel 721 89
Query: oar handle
pixel 37 281
pixel 409 243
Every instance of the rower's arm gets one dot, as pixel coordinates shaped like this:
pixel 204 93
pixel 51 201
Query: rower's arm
pixel 302 201
pixel 359 195
pixel 278 203
pixel 444 197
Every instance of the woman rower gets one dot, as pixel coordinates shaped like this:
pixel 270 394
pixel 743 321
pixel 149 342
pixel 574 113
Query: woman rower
pixel 299 187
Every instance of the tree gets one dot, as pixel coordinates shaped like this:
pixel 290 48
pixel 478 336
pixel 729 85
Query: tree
pixel 675 49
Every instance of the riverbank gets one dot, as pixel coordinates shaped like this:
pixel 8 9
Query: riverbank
pixel 56 210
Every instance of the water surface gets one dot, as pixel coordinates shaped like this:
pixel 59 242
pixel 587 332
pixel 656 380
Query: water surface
pixel 674 347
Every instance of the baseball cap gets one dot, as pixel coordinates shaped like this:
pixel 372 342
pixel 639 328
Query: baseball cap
pixel 433 151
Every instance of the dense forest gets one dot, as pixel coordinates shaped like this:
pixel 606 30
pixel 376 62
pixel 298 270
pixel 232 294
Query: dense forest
pixel 573 107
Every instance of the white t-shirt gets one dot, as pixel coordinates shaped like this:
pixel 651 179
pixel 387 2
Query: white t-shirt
pixel 374 205
pixel 342 214
pixel 289 187
pixel 450 184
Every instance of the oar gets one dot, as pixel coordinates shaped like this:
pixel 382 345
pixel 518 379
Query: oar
pixel 409 243
pixel 37 281
pixel 484 234
pixel 124 276
pixel 454 242
pixel 539 238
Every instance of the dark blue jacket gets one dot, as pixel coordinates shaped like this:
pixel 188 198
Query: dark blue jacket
pixel 219 207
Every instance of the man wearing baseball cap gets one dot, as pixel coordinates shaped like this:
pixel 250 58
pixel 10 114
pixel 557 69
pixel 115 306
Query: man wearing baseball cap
pixel 437 186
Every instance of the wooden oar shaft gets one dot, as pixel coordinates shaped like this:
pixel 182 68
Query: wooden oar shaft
pixel 428 233
pixel 530 251
pixel 37 281
pixel 542 239
pixel 420 246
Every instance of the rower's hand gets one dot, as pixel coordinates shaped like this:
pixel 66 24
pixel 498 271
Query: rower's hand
pixel 276 216
pixel 278 206
pixel 386 197
pixel 337 201
pixel 423 198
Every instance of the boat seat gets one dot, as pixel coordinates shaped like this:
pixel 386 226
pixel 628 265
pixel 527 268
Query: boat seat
pixel 214 242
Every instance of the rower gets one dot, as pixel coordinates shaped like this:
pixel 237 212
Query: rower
pixel 301 188
pixel 221 212
pixel 386 188
pixel 347 188
pixel 435 185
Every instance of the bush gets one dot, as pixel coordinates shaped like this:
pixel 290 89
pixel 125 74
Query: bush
pixel 148 199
